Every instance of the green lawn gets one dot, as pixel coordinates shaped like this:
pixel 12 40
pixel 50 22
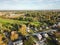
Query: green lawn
pixel 11 21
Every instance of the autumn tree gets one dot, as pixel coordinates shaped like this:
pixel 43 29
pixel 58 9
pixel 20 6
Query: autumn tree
pixel 22 30
pixel 14 35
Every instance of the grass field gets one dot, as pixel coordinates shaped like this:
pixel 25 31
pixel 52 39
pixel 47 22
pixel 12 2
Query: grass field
pixel 11 21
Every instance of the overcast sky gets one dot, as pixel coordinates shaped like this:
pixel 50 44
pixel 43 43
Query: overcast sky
pixel 29 4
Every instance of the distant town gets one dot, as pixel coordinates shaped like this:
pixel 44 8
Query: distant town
pixel 30 27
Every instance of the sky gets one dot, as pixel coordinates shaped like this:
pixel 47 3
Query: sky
pixel 29 4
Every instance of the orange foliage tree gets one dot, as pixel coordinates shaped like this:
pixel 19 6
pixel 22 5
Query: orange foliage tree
pixel 22 30
pixel 14 35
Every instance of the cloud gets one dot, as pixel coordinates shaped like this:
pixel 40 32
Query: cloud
pixel 29 4
pixel 52 0
pixel 30 1
pixel 16 0
pixel 27 0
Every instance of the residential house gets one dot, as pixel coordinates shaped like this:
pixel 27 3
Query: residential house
pixel 18 42
pixel 28 29
pixel 39 36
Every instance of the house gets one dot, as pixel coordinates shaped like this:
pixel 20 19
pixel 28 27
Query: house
pixel 19 42
pixel 39 36
pixel 10 42
pixel 47 27
pixel 7 34
pixel 32 28
pixel 28 29
pixel 58 18
pixel 58 24
pixel 36 29
pixel 59 41
pixel 40 42
pixel 43 26
pixel 40 28
pixel 44 34
pixel 54 26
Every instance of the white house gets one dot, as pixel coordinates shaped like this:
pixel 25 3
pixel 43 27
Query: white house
pixel 59 24
pixel 36 29
pixel 39 36
pixel 28 29
pixel 19 42
pixel 54 25
pixel 47 27
pixel 40 28
pixel 46 35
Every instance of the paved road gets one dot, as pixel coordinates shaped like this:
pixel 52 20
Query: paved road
pixel 44 32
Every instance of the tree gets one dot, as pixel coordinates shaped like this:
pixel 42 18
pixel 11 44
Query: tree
pixel 22 30
pixel 29 19
pixel 29 41
pixel 14 35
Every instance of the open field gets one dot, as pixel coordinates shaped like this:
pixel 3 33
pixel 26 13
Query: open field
pixel 5 21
